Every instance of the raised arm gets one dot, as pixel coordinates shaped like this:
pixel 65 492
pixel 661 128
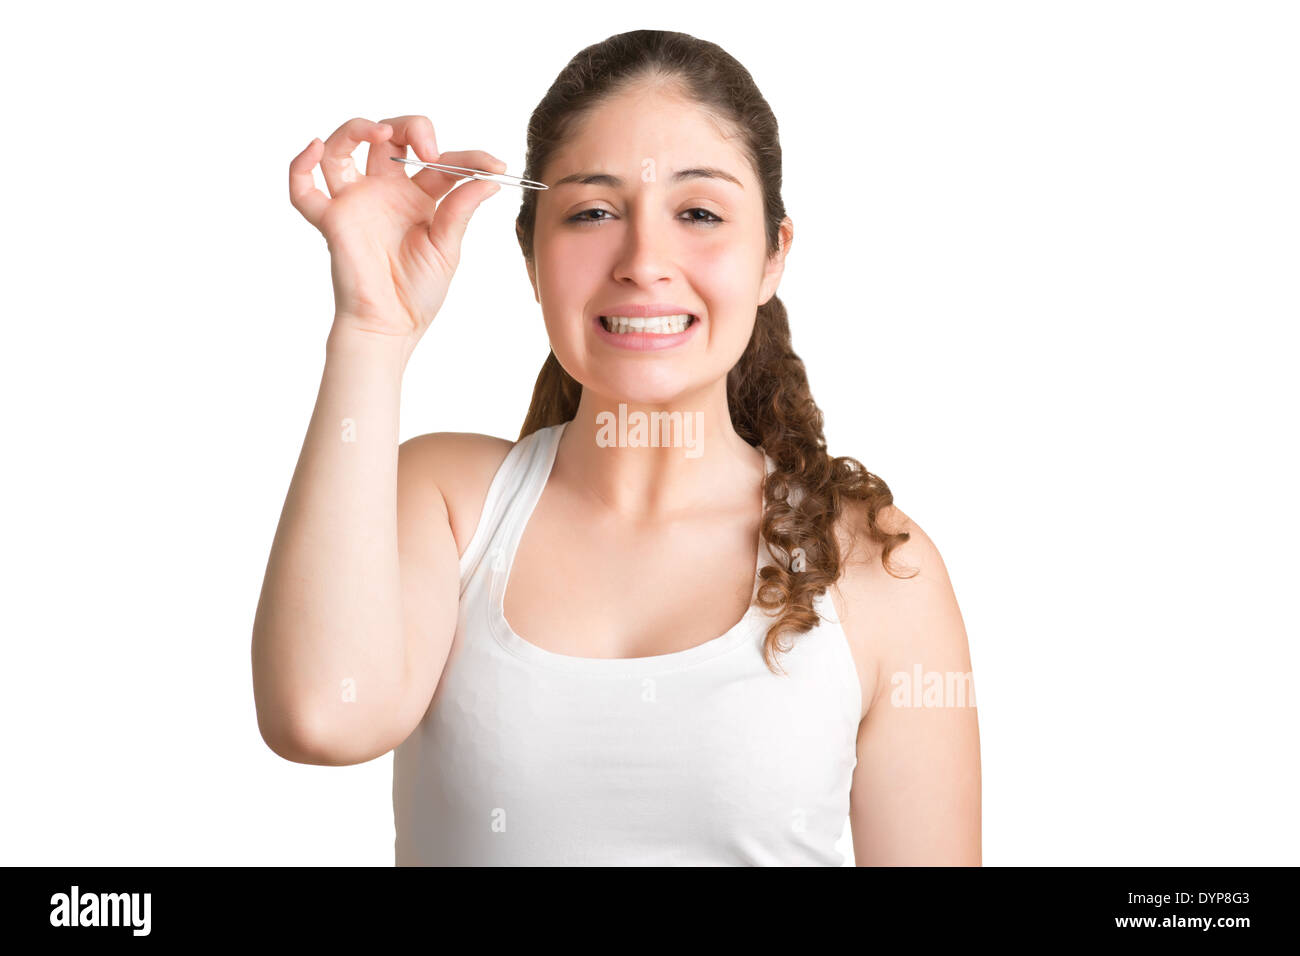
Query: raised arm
pixel 352 621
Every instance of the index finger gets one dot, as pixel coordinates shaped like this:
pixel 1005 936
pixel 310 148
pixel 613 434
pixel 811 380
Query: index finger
pixel 412 130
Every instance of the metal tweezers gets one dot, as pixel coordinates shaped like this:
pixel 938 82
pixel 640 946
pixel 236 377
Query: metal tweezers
pixel 504 178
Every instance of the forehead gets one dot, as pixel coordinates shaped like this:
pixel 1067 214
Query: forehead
pixel 626 130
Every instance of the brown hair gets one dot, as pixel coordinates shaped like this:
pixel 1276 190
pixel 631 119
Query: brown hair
pixel 767 391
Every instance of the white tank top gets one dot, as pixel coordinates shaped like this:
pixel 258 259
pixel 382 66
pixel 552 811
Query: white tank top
pixel 699 757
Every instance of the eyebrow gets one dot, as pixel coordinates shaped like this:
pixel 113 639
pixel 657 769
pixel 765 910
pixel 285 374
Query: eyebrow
pixel 607 179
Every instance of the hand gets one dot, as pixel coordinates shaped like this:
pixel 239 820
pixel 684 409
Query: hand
pixel 394 239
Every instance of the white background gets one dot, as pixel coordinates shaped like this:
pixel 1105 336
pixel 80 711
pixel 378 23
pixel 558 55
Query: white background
pixel 1044 281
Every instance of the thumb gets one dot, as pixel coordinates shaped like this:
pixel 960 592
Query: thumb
pixel 453 215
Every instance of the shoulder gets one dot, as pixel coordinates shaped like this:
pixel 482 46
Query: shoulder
pixel 897 620
pixel 455 467
pixel 450 453
pixel 862 556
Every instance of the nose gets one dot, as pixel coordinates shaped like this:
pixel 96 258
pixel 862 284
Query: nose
pixel 647 253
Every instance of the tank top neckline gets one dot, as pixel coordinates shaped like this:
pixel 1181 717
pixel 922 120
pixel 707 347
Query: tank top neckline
pixel 537 472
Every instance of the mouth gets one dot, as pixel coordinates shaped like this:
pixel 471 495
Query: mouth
pixel 658 325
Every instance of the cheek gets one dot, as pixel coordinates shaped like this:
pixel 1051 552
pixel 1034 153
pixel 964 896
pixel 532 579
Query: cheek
pixel 568 263
pixel 723 273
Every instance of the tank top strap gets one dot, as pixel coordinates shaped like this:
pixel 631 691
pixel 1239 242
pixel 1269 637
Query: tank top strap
pixel 511 495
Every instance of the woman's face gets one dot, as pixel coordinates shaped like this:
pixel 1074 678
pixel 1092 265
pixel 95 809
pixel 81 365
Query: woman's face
pixel 638 233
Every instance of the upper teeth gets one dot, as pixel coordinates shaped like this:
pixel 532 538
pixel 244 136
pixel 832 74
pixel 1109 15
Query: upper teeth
pixel 657 323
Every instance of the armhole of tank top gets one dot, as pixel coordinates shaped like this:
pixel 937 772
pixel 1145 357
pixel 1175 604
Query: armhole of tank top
pixel 483 530
pixel 831 615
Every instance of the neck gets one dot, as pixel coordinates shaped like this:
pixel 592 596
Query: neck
pixel 659 460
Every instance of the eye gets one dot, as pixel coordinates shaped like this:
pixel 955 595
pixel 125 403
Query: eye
pixel 578 217
pixel 711 221
pixel 705 222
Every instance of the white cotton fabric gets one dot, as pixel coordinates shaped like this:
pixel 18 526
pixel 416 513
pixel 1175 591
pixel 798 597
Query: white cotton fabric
pixel 701 757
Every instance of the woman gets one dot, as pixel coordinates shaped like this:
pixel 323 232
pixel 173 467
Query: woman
pixel 568 640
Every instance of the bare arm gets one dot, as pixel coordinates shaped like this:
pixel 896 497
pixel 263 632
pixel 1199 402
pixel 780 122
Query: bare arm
pixel 328 653
pixel 916 791
pixel 343 661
